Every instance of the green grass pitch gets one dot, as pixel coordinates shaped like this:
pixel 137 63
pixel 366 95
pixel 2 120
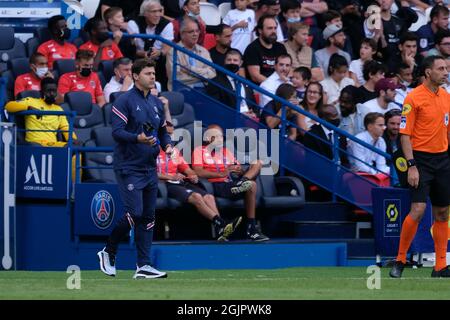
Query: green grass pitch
pixel 286 284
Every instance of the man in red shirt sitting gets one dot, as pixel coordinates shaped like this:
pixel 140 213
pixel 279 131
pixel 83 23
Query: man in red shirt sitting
pixel 32 80
pixel 57 48
pixel 103 47
pixel 219 166
pixel 182 185
pixel 83 79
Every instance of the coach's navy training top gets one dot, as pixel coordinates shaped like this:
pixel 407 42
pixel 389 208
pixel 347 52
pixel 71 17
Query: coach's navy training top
pixel 130 114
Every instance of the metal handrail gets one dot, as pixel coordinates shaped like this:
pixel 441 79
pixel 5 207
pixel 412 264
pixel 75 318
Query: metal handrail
pixel 260 90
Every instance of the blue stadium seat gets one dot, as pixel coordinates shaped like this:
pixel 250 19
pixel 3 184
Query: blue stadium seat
pixel 42 34
pixel 102 79
pixel 281 192
pixel 107 109
pixel 78 41
pixel 10 47
pixel 19 66
pixel 63 66
pixel 29 94
pixel 115 95
pixel 89 115
pixel 106 68
pixel 100 137
pixel 182 113
pixel 31 46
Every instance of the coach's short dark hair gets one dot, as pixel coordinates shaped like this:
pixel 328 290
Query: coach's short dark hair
pixel 141 64
pixel 52 22
pixel 371 117
pixel 84 55
pixel 428 63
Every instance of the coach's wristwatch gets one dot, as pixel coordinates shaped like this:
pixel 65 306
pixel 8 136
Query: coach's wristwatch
pixel 411 163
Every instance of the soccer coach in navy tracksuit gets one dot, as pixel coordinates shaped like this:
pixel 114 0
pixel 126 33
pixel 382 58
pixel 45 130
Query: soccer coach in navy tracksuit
pixel 138 127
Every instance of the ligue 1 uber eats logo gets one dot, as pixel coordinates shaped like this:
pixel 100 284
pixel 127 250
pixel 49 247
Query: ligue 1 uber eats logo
pixel 102 209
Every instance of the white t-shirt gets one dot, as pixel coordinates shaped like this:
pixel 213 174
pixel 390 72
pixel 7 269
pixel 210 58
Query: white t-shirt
pixel 167 33
pixel 373 106
pixel 356 66
pixel 333 89
pixel 241 36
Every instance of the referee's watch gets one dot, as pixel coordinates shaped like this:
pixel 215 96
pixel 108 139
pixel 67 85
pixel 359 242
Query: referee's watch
pixel 411 163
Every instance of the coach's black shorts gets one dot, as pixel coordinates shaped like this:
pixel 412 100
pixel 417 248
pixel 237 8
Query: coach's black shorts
pixel 434 178
pixel 183 191
pixel 223 190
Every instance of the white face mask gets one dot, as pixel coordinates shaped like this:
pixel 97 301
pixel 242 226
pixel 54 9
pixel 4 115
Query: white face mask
pixel 41 72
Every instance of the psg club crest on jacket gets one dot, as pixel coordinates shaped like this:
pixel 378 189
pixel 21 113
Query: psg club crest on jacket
pixel 102 209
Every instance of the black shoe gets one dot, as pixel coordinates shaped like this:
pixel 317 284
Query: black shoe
pixel 397 269
pixel 228 230
pixel 256 235
pixel 444 273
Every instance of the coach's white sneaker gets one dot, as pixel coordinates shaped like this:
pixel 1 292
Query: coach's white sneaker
pixel 107 263
pixel 148 272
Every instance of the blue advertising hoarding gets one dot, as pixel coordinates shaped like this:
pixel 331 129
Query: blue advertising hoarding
pixel 390 208
pixel 97 208
pixel 43 172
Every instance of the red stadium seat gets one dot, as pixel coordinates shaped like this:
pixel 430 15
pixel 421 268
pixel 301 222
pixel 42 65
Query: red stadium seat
pixel 210 41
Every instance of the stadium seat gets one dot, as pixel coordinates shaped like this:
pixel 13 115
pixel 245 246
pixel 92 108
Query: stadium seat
pixel 42 34
pixel 224 8
pixel 78 41
pixel 63 66
pixel 182 113
pixel 31 46
pixel 210 41
pixel 89 116
pixel 210 14
pixel 115 95
pixel 19 66
pixel 106 68
pixel 282 192
pixel 29 94
pixel 10 47
pixel 102 79
pixel 100 137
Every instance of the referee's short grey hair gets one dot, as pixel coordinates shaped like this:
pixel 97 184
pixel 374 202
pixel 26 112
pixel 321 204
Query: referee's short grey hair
pixel 146 4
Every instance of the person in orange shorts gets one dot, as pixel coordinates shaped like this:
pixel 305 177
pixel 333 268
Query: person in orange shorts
pixel 425 131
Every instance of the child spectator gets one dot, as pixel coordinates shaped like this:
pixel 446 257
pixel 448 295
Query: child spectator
pixel 242 23
pixel 366 53
pixel 300 79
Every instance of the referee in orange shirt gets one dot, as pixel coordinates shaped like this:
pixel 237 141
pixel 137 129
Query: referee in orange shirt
pixel 424 129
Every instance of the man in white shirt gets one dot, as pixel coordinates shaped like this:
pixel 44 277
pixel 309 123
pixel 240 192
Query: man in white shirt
pixel 151 21
pixel 385 101
pixel 281 75
pixel 122 80
pixel 363 159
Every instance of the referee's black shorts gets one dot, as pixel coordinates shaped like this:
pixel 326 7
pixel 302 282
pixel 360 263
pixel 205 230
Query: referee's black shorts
pixel 183 190
pixel 434 178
